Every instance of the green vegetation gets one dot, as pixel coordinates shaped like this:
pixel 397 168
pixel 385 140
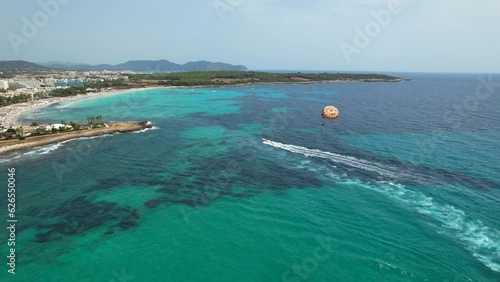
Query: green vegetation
pixel 218 78
pixel 108 83
pixel 19 133
pixel 19 98
pixel 95 121
pixel 76 126
pixel 70 91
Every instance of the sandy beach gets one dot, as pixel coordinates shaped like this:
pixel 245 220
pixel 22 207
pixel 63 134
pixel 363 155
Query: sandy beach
pixel 9 113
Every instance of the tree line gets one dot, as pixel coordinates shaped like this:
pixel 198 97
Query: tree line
pixel 13 99
pixel 238 77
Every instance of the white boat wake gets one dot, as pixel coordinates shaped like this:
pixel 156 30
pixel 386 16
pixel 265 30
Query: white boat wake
pixel 482 241
pixel 383 170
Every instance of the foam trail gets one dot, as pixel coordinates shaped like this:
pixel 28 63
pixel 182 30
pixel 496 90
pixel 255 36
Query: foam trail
pixel 337 158
pixel 482 241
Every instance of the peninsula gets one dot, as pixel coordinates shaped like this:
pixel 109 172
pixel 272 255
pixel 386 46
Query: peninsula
pixel 236 78
pixel 12 145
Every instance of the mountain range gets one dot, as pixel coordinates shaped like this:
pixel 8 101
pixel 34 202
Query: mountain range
pixel 21 66
pixel 148 66
pixel 137 66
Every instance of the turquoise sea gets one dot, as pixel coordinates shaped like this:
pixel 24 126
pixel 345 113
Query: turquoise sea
pixel 404 186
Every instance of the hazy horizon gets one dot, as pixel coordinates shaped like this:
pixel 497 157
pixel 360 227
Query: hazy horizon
pixel 361 35
pixel 277 69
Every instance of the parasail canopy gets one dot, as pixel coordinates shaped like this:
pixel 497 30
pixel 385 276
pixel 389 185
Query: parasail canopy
pixel 330 112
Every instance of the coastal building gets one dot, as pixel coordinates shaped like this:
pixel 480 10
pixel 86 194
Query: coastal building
pixel 59 126
pixel 15 85
pixel 4 84
pixel 59 84
pixel 68 83
pixel 24 83
pixel 75 83
pixel 49 127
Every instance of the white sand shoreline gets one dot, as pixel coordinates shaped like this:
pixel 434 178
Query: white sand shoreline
pixel 9 114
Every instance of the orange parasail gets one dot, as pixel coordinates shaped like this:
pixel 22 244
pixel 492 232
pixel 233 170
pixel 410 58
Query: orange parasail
pixel 330 112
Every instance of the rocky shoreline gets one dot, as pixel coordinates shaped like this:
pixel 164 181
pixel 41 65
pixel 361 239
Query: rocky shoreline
pixel 13 145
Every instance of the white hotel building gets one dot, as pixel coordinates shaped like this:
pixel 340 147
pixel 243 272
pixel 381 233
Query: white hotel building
pixel 4 84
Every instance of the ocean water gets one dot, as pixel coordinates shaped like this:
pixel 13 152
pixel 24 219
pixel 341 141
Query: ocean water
pixel 404 186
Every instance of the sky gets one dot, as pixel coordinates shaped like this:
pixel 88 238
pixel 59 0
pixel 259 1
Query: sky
pixel 335 35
